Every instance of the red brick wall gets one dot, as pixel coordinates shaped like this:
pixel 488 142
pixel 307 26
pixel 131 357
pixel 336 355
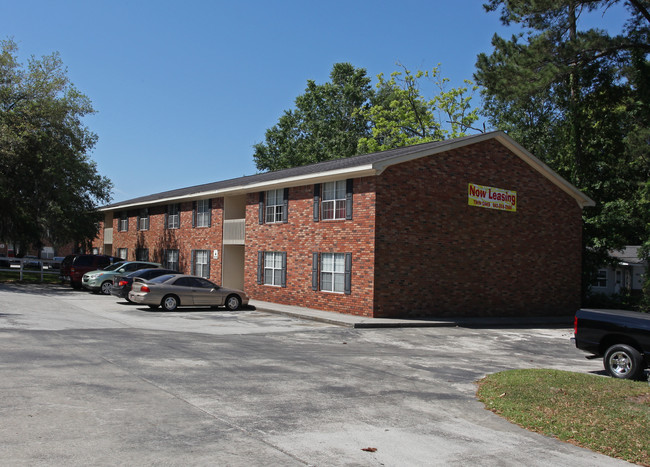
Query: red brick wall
pixel 438 256
pixel 185 239
pixel 301 237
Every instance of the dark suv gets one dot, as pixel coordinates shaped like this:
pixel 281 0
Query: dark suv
pixel 82 264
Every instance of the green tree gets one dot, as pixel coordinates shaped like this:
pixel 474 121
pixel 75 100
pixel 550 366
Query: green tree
pixel 49 188
pixel 401 116
pixel 325 124
pixel 578 99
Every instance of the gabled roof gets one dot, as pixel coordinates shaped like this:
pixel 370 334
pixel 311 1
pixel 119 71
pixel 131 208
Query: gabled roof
pixel 628 255
pixel 351 167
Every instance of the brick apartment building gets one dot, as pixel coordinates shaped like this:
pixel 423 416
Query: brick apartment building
pixel 474 226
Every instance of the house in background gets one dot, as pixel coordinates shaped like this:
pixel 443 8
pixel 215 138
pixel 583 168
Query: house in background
pixel 475 226
pixel 626 275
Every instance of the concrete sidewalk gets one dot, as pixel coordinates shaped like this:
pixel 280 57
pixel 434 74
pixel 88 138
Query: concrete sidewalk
pixel 364 322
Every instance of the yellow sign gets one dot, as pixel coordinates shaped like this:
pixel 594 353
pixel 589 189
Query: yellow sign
pixel 491 198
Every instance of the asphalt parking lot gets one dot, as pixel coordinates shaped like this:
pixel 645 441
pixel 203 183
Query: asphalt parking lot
pixel 86 380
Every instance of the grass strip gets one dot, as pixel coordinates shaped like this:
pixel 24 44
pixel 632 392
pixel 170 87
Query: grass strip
pixel 606 415
pixel 29 277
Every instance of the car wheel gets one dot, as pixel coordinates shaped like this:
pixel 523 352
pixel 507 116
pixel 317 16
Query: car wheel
pixel 624 362
pixel 106 287
pixel 169 303
pixel 233 302
pixel 131 301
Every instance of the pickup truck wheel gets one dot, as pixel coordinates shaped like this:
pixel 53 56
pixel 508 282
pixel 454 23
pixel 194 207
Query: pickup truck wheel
pixel 624 362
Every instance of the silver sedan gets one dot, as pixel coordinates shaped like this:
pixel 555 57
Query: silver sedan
pixel 173 290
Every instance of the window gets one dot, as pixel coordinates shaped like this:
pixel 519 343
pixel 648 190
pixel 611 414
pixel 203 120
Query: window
pixel 123 224
pixel 274 206
pixel 171 259
pixel 600 279
pixel 122 253
pixel 201 260
pixel 142 254
pixel 333 273
pixel 333 200
pixel 275 268
pixel 202 213
pixel 143 219
pixel 173 217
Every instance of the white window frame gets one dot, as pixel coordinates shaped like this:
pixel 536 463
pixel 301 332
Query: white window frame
pixel 333 203
pixel 332 272
pixel 174 262
pixel 144 219
pixel 203 213
pixel 274 206
pixel 273 268
pixel 174 217
pixel 123 224
pixel 202 269
pixel 602 277
pixel 123 250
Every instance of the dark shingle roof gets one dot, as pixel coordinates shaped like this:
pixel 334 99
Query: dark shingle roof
pixel 305 170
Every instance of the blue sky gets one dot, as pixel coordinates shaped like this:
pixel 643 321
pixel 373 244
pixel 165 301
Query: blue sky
pixel 183 90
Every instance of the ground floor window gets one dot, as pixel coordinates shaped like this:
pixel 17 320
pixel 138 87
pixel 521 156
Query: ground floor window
pixel 122 253
pixel 332 272
pixel 171 259
pixel 600 280
pixel 201 260
pixel 142 254
pixel 275 268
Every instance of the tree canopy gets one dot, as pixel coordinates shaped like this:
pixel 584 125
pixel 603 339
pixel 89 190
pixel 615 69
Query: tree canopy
pixel 346 116
pixel 579 100
pixel 49 188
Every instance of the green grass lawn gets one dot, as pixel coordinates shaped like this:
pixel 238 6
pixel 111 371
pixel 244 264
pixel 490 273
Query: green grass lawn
pixel 30 276
pixel 605 415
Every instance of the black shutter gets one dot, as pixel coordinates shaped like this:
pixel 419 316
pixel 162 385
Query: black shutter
pixel 348 274
pixel 314 271
pixel 209 259
pixel 193 214
pixel 209 220
pixel 261 207
pixel 137 222
pixel 260 266
pixel 316 202
pixel 283 280
pixel 193 254
pixel 285 212
pixel 348 199
pixel 166 224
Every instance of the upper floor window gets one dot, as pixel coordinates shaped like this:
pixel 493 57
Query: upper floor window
pixel 333 200
pixel 274 206
pixel 123 223
pixel 202 213
pixel 173 217
pixel 143 219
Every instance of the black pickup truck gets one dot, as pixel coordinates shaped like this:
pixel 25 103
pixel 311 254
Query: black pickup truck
pixel 621 337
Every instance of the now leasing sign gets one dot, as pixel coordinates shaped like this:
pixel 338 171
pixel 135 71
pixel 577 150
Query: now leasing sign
pixel 491 198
